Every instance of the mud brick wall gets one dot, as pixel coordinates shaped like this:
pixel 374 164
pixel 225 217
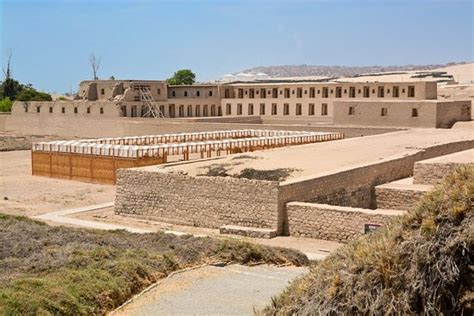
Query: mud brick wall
pixel 335 223
pixel 432 173
pixel 397 199
pixel 197 201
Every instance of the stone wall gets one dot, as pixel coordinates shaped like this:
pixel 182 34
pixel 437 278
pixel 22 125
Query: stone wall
pixel 356 187
pixel 397 198
pixel 335 223
pixel 84 126
pixel 432 173
pixel 197 201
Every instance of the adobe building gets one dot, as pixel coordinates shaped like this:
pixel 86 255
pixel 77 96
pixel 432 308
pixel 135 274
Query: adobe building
pixel 388 104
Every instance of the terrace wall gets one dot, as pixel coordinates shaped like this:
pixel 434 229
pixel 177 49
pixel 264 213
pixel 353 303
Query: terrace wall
pixel 335 223
pixel 356 187
pixel 197 201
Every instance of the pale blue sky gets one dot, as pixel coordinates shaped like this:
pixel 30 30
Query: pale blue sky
pixel 51 40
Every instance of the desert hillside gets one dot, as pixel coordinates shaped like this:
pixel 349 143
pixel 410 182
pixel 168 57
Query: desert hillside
pixel 338 71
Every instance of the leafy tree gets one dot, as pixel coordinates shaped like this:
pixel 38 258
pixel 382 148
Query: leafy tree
pixel 6 105
pixel 182 77
pixel 10 88
pixel 30 94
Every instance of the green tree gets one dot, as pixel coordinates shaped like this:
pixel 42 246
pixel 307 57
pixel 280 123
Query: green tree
pixel 30 94
pixel 182 77
pixel 6 105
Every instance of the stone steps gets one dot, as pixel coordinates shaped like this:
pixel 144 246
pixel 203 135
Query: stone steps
pixel 248 231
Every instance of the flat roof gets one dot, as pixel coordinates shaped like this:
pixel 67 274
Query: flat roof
pixel 320 159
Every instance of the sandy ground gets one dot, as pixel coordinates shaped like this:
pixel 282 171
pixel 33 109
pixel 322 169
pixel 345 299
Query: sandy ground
pixel 23 194
pixel 324 158
pixel 313 248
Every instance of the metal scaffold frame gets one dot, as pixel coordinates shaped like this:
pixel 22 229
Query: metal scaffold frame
pixel 152 109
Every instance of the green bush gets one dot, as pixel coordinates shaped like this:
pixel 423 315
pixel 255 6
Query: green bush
pixel 6 105
pixel 33 95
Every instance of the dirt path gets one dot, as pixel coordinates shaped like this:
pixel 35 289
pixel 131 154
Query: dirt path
pixel 210 290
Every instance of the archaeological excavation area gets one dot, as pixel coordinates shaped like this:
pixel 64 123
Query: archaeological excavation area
pixel 96 160
pixel 335 190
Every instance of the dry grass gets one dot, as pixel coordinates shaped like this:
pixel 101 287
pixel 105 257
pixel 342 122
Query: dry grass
pixel 222 170
pixel 419 264
pixel 65 271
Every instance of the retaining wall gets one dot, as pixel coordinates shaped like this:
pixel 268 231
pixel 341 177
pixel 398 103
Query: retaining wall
pixel 335 223
pixel 397 198
pixel 197 201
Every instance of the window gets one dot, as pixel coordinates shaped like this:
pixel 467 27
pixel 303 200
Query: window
pixel 298 109
pixel 383 112
pixel 213 110
pixel 299 93
pixel 275 93
pixel 263 93
pixel 63 110
pixel 311 109
pixel 162 110
pixel 123 109
pixel 324 109
pixel 38 109
pixel 351 110
pixel 134 111
pixel 226 93
pixel 395 92
pixel 262 108
pixel 158 91
pixel 75 110
pixel 312 93
pixel 205 110
pixel 414 112
pixel 171 110
pixel 185 93
pixel 88 110
pixel 239 109
pixel 251 93
pixel 352 92
pixel 403 90
pixel 286 109
pixel 338 92
pixel 287 93
pixel 325 92
pixel 190 110
pixel 50 109
pixel 101 110
pixel 173 93
pixel 373 91
pixel 380 92
pixel 228 109
pixel 274 109
pixel 102 91
pixel 366 92
pixel 210 93
pixel 411 91
pixel 250 109
pixel 197 110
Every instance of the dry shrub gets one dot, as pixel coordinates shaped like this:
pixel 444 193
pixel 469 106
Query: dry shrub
pixel 66 271
pixel 418 264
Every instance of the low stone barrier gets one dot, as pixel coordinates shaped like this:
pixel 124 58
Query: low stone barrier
pixel 334 223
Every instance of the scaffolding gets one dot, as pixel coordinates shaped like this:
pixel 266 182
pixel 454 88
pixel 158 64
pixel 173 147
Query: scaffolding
pixel 151 108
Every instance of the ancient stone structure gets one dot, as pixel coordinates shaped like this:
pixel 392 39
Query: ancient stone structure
pixel 259 207
pixel 405 104
pixel 97 160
